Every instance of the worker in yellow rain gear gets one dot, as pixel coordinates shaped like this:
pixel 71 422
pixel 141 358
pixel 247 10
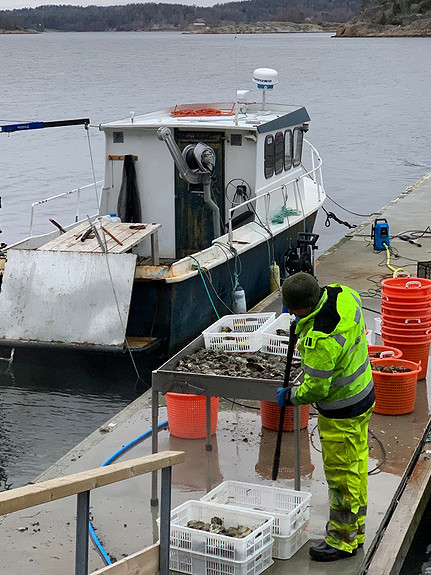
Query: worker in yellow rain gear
pixel 338 380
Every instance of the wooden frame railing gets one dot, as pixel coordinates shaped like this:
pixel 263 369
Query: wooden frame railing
pixel 151 560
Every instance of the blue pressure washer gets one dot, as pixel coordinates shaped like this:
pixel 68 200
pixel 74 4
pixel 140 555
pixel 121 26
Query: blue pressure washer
pixel 380 234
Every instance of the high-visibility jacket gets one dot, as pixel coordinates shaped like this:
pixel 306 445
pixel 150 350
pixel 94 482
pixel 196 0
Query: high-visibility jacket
pixel 334 356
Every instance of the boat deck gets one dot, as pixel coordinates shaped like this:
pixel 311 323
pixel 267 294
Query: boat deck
pixel 41 540
pixel 118 238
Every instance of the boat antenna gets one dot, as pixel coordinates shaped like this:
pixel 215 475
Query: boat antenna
pixel 266 79
pixel 236 83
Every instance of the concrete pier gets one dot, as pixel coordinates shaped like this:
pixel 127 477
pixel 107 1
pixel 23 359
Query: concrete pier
pixel 41 540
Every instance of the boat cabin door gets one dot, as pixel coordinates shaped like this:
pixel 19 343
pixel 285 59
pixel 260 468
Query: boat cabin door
pixel 194 228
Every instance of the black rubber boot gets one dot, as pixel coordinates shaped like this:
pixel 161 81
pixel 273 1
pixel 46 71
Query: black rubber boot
pixel 325 552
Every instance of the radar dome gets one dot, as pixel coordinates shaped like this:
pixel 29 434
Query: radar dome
pixel 265 78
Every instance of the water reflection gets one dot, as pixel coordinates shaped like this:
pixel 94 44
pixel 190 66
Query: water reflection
pixel 190 475
pixel 286 468
pixel 50 401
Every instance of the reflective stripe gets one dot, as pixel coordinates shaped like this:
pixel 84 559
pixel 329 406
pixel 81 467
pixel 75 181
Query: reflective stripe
pixel 357 315
pixel 339 339
pixel 346 517
pixel 320 373
pixel 346 536
pixel 349 401
pixel 342 381
pixel 357 299
pixel 356 342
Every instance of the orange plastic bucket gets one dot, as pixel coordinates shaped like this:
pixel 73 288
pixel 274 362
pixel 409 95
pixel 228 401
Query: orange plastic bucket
pixel 417 288
pixel 187 415
pixel 418 353
pixel 422 312
pixel 395 392
pixel 270 414
pixel 408 326
pixel 403 303
pixel 381 351
pixel 406 335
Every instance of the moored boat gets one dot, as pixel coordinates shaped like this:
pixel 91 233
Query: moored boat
pixel 206 200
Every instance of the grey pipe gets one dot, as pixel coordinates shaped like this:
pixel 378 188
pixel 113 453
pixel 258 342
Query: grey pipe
pixel 164 134
pixel 214 208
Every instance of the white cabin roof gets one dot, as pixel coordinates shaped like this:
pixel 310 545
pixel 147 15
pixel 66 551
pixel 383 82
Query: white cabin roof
pixel 250 117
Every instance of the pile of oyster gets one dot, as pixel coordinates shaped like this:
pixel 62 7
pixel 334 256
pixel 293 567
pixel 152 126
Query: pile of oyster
pixel 390 368
pixel 216 526
pixel 251 364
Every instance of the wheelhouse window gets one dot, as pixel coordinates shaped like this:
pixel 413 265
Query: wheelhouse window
pixel 287 149
pixel 279 152
pixel 269 156
pixel 298 138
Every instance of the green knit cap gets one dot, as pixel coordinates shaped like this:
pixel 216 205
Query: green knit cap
pixel 300 291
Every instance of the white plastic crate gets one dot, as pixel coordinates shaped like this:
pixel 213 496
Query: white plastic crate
pixel 245 334
pixel 286 547
pixel 278 344
pixel 213 544
pixel 197 564
pixel 290 509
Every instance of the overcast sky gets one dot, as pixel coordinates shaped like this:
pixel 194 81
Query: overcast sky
pixel 11 4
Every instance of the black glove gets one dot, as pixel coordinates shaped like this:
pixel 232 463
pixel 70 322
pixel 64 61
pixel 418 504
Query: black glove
pixel 283 396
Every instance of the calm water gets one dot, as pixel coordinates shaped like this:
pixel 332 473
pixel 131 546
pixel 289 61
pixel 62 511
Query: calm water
pixel 368 107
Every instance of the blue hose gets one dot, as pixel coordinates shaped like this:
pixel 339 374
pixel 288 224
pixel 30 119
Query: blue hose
pixel 110 460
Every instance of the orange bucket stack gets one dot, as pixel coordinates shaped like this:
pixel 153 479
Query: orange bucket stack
pixel 406 318
pixel 395 392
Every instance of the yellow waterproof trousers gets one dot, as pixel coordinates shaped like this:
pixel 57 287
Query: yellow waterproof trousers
pixel 345 461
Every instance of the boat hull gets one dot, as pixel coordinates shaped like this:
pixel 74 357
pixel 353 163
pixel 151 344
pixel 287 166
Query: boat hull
pixel 179 311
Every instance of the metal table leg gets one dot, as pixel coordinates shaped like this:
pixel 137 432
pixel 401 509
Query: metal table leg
pixel 297 440
pixel 208 445
pixel 154 442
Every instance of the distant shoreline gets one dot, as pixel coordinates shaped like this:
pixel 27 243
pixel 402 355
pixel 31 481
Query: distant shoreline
pixel 18 32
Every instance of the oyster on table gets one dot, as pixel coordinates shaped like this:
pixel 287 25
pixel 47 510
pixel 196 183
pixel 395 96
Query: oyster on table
pixel 255 364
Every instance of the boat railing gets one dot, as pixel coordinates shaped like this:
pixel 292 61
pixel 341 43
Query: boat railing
pixel 81 484
pixel 314 173
pixel 76 191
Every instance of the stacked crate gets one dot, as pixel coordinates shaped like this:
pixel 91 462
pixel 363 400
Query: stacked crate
pixel 199 552
pixel 290 509
pixel 237 333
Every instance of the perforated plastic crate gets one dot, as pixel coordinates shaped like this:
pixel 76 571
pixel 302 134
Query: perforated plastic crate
pixel 290 509
pixel 198 564
pixel 244 335
pixel 286 547
pixel 216 545
pixel 274 343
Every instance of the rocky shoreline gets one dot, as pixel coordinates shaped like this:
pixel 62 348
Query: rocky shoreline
pixel 18 32
pixel 266 28
pixel 367 30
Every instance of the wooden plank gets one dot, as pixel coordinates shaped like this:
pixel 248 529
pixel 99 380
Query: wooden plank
pixel 138 342
pixel 116 157
pixel 53 489
pixel 146 562
pixel 129 238
pixel 392 549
